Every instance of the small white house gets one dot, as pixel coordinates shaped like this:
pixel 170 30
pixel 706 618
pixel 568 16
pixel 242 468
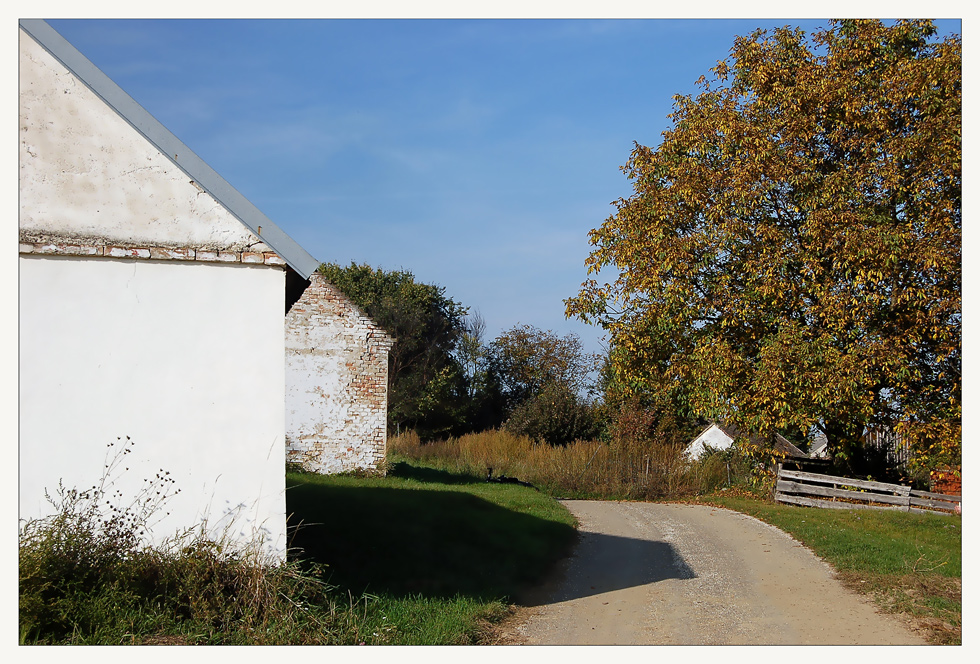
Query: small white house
pixel 818 446
pixel 713 437
pixel 719 437
pixel 153 302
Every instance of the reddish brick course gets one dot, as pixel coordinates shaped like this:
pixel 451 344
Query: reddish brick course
pixel 153 253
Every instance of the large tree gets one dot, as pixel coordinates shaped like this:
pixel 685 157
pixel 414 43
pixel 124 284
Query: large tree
pixel 544 380
pixel 791 253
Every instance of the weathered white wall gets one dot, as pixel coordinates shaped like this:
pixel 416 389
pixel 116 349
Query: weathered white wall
pixel 184 358
pixel 713 437
pixel 87 176
pixel 336 383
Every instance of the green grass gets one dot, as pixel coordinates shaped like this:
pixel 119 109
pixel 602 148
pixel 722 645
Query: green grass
pixel 910 563
pixel 418 557
pixel 86 577
pixel 436 554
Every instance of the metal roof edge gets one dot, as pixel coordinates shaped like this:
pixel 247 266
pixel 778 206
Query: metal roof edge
pixel 168 144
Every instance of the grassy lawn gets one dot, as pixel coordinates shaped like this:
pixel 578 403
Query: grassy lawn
pixel 427 556
pixel 421 556
pixel 910 563
pixel 432 557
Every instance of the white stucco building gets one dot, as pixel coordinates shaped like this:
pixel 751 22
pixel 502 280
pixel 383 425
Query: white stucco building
pixel 714 437
pixel 718 436
pixel 152 304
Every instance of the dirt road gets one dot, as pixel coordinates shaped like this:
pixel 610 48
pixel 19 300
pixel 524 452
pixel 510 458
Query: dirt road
pixel 649 574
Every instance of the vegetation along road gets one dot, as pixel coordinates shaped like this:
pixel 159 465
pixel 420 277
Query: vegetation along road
pixel 650 574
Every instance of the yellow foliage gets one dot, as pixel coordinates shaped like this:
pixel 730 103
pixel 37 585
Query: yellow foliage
pixel 791 254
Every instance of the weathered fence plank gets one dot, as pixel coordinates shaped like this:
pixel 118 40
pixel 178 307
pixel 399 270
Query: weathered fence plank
pixel 846 481
pixel 928 502
pixel 797 487
pixel 921 510
pixel 828 491
pixel 830 504
pixel 940 496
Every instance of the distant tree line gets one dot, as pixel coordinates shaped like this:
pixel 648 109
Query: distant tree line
pixel 445 378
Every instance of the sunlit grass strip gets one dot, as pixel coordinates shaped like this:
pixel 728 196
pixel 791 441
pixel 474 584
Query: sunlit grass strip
pixel 429 532
pixel 437 555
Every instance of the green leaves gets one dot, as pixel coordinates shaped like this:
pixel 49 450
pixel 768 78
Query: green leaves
pixel 426 386
pixel 791 253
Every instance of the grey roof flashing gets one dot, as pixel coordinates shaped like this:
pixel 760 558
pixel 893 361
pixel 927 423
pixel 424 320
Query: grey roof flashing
pixel 162 138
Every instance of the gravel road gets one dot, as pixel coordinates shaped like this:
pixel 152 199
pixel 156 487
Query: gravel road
pixel 651 574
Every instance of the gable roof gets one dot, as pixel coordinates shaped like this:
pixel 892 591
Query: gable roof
pixel 171 147
pixel 787 448
pixel 780 444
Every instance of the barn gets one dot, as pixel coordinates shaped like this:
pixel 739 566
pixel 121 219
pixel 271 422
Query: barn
pixel 159 310
pixel 721 436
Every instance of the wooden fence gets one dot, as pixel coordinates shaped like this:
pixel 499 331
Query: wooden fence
pixel 812 490
pixel 895 447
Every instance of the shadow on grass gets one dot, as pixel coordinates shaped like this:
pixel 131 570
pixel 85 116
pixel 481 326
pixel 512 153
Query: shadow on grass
pixel 408 542
pixel 430 475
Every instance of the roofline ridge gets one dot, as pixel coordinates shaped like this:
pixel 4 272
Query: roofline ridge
pixel 170 146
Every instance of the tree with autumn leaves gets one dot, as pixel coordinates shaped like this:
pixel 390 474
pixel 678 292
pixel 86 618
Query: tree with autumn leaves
pixel 790 256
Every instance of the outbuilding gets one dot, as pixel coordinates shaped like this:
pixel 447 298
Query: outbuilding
pixel 718 436
pixel 160 310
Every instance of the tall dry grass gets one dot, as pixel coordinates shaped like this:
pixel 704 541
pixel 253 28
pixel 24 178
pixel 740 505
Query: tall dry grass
pixel 625 469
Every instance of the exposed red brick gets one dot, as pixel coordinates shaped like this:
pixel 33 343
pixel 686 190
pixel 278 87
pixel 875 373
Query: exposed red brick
pixel 326 332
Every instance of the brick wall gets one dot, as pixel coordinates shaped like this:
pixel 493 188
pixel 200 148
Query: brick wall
pixel 336 383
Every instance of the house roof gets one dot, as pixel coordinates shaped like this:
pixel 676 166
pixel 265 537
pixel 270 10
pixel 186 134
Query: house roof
pixel 171 147
pixel 780 444
pixel 786 447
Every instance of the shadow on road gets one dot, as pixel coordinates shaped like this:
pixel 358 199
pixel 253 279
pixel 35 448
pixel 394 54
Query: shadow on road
pixel 604 563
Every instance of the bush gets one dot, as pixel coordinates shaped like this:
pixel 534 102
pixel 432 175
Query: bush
pixel 88 576
pixel 556 416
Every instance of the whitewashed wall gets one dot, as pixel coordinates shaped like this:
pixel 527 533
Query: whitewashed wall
pixel 713 437
pixel 184 358
pixel 86 176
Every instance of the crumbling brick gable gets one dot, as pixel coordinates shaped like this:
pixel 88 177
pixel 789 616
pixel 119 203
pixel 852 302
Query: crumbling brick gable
pixel 336 383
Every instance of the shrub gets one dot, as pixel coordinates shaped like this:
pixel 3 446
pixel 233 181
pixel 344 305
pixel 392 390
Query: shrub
pixel 88 575
pixel 556 416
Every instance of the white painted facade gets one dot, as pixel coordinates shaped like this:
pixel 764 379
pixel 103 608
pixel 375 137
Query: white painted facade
pixel 148 310
pixel 86 176
pixel 713 437
pixel 185 359
pixel 818 446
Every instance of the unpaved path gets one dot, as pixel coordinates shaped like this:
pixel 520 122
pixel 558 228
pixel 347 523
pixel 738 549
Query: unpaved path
pixel 649 573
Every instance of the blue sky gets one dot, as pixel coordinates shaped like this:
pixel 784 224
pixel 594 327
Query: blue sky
pixel 476 154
